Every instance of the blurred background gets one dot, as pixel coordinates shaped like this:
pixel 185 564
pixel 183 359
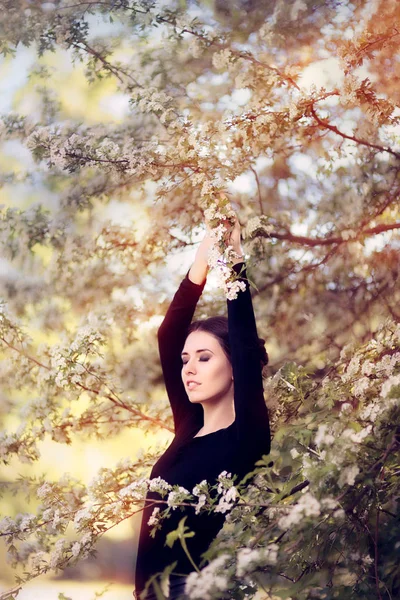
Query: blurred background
pixel 55 89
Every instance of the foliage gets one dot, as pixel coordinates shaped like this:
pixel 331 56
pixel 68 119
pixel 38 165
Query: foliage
pixel 216 97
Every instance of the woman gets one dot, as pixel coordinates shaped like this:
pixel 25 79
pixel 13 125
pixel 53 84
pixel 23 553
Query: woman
pixel 213 376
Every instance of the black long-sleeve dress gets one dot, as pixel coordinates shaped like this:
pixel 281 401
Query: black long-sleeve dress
pixel 189 460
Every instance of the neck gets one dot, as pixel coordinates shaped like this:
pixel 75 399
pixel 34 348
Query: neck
pixel 218 415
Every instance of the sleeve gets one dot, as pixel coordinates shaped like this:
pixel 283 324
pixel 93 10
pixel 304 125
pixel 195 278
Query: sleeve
pixel 171 339
pixel 251 412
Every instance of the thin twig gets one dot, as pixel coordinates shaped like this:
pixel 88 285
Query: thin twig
pixel 376 553
pixel 258 189
pixel 334 129
pixel 115 400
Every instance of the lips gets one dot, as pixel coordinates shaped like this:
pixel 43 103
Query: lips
pixel 191 385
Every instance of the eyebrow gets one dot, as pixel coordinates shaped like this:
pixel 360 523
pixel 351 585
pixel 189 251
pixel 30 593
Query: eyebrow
pixel 202 350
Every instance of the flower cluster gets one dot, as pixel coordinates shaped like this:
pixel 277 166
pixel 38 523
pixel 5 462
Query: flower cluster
pixel 222 58
pixel 307 506
pixel 177 496
pixel 248 559
pixel 228 491
pixel 222 254
pixel 155 517
pixel 202 492
pixel 211 580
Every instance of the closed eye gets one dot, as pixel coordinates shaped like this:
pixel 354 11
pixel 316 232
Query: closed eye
pixel 202 359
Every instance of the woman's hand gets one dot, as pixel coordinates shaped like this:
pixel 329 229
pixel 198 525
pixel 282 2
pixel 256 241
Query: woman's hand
pixel 232 237
pixel 199 269
pixel 206 243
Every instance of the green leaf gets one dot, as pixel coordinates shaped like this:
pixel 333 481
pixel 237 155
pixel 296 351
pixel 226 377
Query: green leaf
pixel 158 591
pixel 171 538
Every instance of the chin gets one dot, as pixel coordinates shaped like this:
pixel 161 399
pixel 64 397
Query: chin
pixel 194 400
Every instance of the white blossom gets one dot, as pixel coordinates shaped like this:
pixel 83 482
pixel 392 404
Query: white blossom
pixel 297 7
pixel 233 288
pixel 248 559
pixel 356 437
pixel 201 502
pixel 225 481
pixel 81 515
pixel 371 411
pixel 387 364
pixel 210 580
pixel 136 489
pixel 348 475
pixel 389 385
pixel 329 503
pixel 159 485
pixel 306 506
pixel 242 80
pixel 177 496
pixel 27 521
pixel 352 368
pixel 227 500
pixel 361 386
pixel 221 59
pixel 339 514
pixel 7 525
pixel 367 367
pixel 195 47
pixel 200 488
pixel 86 538
pixel 154 517
pixel 38 559
pixel 57 553
pixel 44 490
pixel 322 437
pixel 252 225
pixel 75 549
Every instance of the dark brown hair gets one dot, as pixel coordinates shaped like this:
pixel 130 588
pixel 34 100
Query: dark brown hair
pixel 218 327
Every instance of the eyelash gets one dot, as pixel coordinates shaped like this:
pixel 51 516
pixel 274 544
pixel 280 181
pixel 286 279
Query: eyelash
pixel 202 359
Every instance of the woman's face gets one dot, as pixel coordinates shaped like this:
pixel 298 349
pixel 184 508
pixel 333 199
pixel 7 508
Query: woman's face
pixel 206 370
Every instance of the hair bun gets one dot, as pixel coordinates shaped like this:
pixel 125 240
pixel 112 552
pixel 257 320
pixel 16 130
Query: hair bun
pixel 263 352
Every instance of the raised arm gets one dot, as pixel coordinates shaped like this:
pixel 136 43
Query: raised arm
pixel 172 334
pixel 251 413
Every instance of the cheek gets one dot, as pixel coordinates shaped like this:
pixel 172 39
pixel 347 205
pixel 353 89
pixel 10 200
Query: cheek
pixel 223 371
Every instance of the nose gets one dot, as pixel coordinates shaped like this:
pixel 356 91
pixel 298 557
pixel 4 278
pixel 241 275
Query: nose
pixel 189 367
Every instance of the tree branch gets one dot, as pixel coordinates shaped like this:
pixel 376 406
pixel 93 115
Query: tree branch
pixel 258 190
pixel 116 401
pixel 334 129
pixel 376 554
pixel 313 242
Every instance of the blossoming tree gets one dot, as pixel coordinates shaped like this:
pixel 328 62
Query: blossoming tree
pixel 223 101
